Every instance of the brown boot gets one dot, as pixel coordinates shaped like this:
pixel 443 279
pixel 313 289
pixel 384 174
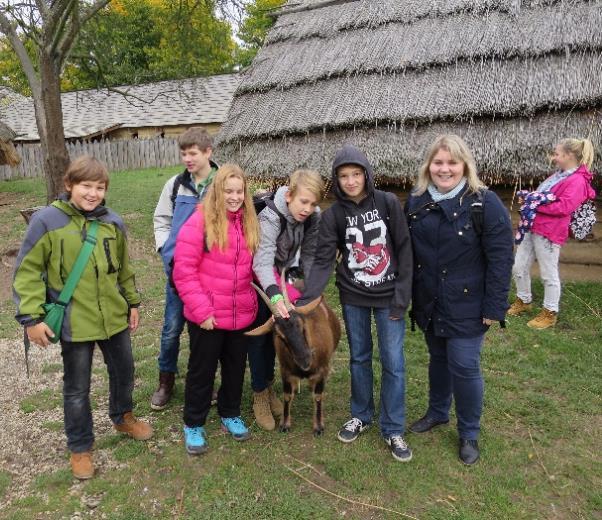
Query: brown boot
pixel 543 320
pixel 518 307
pixel 81 465
pixel 275 404
pixel 162 395
pixel 135 428
pixel 261 409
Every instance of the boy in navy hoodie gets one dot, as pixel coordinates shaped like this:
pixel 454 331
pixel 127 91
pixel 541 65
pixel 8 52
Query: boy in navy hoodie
pixel 374 277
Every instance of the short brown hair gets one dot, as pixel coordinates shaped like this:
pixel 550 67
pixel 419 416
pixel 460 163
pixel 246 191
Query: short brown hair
pixel 195 137
pixel 86 168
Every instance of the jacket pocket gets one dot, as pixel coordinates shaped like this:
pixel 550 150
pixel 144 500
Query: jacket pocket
pixel 464 298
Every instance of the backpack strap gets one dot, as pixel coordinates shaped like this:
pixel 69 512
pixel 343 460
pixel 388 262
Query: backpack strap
pixel 476 214
pixel 80 264
pixel 174 190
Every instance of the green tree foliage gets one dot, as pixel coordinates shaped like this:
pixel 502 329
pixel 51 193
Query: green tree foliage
pixel 255 27
pixel 134 41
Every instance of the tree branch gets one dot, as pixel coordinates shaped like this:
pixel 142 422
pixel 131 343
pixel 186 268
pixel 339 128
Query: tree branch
pixel 94 8
pixel 30 72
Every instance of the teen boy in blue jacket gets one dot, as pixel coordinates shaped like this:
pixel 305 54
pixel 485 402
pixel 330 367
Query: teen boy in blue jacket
pixel 177 202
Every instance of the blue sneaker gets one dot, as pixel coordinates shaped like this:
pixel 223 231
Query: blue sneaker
pixel 194 438
pixel 235 427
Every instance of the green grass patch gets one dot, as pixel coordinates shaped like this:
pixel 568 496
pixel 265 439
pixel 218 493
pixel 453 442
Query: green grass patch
pixel 47 399
pixel 5 480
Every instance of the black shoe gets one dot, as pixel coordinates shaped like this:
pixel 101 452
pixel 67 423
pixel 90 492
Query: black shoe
pixel 351 430
pixel 425 424
pixel 399 449
pixel 469 451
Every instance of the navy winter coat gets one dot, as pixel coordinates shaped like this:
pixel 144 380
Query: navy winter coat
pixel 460 277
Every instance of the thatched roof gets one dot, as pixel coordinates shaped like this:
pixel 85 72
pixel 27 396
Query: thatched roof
pixel 87 113
pixel 511 76
pixel 8 154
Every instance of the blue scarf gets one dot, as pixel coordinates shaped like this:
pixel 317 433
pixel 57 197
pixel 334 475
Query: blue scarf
pixel 554 179
pixel 438 196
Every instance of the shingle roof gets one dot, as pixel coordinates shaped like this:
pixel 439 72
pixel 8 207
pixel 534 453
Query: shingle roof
pixel 167 103
pixel 389 75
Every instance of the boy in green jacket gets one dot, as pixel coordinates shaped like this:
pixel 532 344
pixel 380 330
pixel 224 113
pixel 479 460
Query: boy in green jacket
pixel 102 310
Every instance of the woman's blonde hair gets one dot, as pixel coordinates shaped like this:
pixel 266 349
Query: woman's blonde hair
pixel 458 149
pixel 216 214
pixel 309 179
pixel 581 149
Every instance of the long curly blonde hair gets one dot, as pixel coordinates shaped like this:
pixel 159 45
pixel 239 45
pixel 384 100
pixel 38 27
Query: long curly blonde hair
pixel 216 214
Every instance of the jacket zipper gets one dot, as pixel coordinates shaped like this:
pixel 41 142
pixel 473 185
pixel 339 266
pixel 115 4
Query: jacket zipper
pixel 236 226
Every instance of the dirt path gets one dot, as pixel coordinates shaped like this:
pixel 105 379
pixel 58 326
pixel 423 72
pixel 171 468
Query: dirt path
pixel 34 443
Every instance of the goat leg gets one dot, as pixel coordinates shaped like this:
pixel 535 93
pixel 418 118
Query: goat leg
pixel 318 392
pixel 285 420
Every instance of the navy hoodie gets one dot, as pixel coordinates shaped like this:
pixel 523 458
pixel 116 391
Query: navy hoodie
pixel 376 253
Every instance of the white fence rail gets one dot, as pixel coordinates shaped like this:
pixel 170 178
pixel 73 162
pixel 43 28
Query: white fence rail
pixel 117 155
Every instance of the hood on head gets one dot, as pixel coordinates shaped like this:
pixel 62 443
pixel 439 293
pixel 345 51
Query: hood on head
pixel 349 154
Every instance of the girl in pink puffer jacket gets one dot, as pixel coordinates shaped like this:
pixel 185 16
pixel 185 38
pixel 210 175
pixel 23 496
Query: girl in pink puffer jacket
pixel 212 272
pixel 570 186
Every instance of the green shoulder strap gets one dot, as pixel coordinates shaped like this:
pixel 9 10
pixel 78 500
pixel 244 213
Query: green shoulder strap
pixel 80 264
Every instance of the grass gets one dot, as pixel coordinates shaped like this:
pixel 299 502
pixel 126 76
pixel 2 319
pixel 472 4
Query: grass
pixel 540 438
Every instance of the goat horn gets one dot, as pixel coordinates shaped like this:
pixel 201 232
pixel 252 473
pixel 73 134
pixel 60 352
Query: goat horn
pixel 266 299
pixel 307 308
pixel 262 329
pixel 287 301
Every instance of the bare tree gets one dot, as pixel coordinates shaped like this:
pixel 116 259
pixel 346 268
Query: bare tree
pixel 52 26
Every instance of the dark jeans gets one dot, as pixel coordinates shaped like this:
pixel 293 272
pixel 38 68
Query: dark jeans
pixel 262 356
pixel 390 345
pixel 173 325
pixel 455 369
pixel 77 366
pixel 206 348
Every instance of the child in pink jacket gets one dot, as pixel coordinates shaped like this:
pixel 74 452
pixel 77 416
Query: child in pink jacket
pixel 570 186
pixel 213 273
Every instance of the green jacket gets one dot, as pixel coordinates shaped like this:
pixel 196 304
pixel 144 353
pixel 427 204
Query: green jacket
pixel 100 304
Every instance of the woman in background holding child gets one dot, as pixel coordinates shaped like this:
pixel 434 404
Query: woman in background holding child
pixel 566 189
pixel 213 275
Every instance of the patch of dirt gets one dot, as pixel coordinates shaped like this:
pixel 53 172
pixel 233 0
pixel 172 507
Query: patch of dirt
pixel 27 447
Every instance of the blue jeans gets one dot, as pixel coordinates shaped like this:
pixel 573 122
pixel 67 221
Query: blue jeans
pixel 455 369
pixel 390 345
pixel 173 325
pixel 77 366
pixel 262 356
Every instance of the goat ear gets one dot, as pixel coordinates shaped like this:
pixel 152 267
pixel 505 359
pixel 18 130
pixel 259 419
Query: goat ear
pixel 306 309
pixel 262 329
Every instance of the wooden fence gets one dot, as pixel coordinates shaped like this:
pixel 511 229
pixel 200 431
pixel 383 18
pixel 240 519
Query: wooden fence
pixel 117 155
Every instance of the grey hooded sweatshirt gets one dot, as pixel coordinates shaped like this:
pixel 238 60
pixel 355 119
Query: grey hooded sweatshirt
pixel 295 246
pixel 376 253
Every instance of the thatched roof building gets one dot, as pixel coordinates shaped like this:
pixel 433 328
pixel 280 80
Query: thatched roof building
pixel 8 154
pixel 512 77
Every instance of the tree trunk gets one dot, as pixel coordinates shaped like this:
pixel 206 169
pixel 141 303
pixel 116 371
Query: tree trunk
pixel 49 115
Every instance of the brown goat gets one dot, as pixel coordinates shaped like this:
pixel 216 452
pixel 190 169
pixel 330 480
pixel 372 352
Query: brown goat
pixel 304 343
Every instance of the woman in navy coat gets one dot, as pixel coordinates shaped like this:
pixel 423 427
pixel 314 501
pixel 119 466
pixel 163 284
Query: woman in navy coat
pixel 462 241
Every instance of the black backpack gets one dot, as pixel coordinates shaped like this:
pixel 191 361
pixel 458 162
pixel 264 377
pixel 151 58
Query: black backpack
pixel 266 199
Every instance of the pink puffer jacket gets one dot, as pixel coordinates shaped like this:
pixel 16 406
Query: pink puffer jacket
pixel 215 283
pixel 552 220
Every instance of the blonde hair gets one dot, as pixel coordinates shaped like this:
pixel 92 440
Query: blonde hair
pixel 308 179
pixel 86 168
pixel 458 149
pixel 581 149
pixel 215 212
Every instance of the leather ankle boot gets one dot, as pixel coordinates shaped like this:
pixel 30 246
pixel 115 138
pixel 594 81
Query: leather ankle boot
pixel 163 394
